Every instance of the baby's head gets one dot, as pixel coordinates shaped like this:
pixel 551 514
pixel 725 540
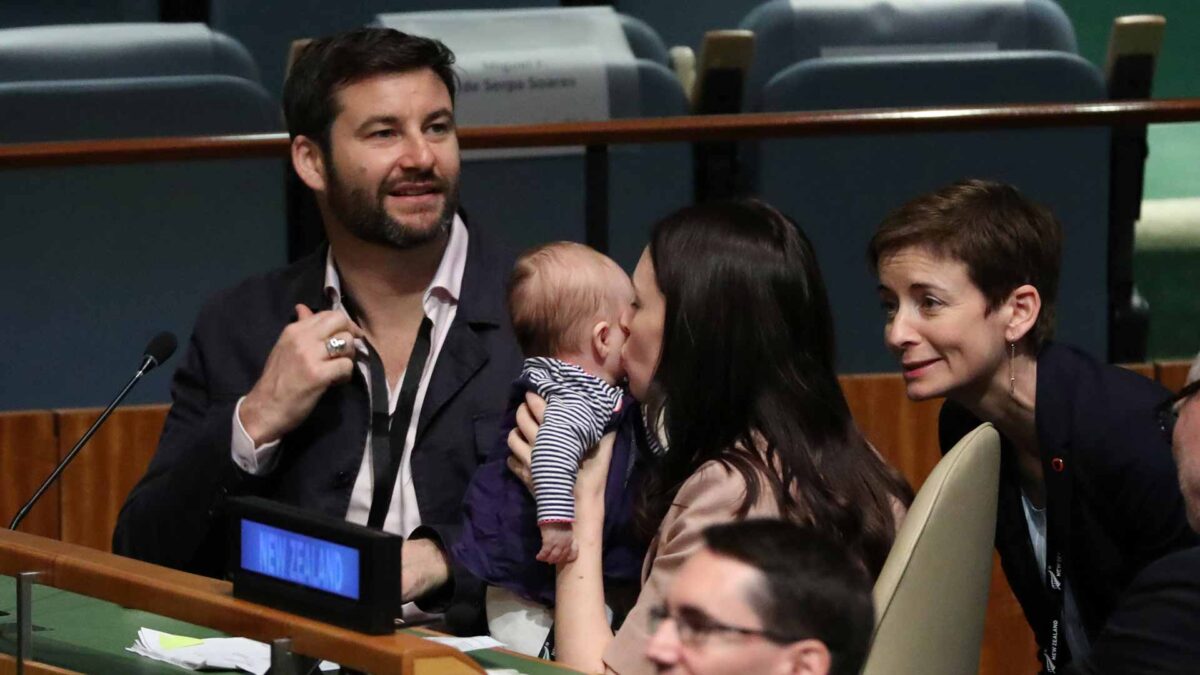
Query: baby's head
pixel 565 300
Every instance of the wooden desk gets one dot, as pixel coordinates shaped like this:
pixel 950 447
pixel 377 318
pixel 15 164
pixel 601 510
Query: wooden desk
pixel 92 604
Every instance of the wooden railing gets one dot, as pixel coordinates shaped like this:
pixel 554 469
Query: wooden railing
pixel 649 130
pixel 598 136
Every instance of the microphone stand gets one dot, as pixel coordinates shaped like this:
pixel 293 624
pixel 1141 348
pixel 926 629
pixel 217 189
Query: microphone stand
pixel 148 362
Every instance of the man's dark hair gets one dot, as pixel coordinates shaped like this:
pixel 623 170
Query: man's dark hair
pixel 1004 238
pixel 813 588
pixel 326 65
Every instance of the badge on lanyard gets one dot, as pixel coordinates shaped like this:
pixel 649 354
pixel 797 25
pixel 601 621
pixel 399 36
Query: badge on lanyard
pixel 1058 501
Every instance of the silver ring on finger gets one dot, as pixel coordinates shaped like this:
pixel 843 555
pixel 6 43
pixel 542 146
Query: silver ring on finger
pixel 334 346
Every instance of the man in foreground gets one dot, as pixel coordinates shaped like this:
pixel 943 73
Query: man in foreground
pixel 764 596
pixel 367 380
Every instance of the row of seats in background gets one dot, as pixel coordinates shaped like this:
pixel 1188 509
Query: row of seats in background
pixel 109 254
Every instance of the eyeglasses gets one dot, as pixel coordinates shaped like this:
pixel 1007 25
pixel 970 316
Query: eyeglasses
pixel 694 626
pixel 1168 410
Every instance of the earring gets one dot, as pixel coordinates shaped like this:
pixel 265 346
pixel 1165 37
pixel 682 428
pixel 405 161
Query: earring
pixel 1012 368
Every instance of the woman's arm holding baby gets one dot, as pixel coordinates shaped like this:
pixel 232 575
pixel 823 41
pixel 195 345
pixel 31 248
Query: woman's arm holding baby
pixel 581 630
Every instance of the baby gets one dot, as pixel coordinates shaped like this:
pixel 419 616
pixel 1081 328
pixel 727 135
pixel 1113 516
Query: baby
pixel 565 301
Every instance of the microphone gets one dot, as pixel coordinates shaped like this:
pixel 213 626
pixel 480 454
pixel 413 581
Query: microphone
pixel 159 349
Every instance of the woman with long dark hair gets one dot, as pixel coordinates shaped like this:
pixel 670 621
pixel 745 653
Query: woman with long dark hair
pixel 730 345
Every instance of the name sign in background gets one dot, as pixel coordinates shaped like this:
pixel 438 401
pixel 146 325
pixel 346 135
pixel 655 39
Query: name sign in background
pixel 531 66
pixel 300 559
pixel 535 87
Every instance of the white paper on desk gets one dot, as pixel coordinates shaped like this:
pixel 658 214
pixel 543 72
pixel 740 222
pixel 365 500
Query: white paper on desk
pixel 468 644
pixel 193 654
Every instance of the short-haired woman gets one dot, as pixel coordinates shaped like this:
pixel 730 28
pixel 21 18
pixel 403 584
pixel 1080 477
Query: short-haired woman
pixel 1088 495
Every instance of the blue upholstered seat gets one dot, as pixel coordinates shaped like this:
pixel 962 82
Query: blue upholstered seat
pixel 685 22
pixel 887 54
pixel 191 105
pixel 644 41
pixel 20 13
pixel 112 50
pixel 95 81
pixel 791 31
pixel 100 257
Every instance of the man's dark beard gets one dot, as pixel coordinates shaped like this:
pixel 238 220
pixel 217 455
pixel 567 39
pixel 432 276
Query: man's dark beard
pixel 369 220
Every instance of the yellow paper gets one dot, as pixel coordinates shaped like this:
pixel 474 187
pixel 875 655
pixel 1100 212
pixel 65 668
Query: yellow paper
pixel 168 642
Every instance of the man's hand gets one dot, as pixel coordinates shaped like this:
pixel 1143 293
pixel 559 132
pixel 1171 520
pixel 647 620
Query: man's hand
pixel 299 369
pixel 423 568
pixel 558 543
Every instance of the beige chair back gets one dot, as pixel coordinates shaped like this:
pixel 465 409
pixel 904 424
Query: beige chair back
pixel 932 593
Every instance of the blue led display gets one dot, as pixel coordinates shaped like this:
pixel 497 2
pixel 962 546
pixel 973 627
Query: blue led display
pixel 303 560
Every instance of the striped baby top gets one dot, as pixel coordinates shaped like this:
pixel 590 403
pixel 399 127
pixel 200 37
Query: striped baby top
pixel 579 409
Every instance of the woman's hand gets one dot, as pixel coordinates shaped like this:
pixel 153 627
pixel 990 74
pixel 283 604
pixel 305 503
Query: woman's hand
pixel 521 438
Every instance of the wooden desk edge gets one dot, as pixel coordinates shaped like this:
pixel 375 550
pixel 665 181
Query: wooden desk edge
pixel 210 602
pixel 8 666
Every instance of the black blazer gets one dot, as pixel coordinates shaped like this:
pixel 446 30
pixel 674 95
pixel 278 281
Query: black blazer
pixel 1156 627
pixel 1125 507
pixel 173 517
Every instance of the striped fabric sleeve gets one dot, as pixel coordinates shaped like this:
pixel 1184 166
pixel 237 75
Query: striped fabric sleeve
pixel 579 406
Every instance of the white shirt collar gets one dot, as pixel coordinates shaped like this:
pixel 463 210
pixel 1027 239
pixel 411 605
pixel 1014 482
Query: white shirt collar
pixel 444 288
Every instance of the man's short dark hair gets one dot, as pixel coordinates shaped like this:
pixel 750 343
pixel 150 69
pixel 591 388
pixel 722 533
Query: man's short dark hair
pixel 326 65
pixel 812 587
pixel 1004 238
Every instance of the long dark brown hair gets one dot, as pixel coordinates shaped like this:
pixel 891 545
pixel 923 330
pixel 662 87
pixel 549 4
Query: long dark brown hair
pixel 746 378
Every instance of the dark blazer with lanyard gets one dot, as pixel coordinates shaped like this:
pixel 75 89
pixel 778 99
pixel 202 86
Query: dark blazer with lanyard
pixel 173 516
pixel 1112 498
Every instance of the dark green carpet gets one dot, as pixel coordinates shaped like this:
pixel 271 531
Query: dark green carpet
pixel 1170 282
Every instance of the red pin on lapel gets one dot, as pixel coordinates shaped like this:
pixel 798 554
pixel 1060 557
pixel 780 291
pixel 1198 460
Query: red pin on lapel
pixel 1057 464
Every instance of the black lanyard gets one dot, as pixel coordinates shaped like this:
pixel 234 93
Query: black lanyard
pixel 1058 506
pixel 388 430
